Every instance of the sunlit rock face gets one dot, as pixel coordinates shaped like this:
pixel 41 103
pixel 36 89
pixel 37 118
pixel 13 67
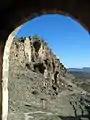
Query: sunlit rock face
pixel 39 83
pixel 35 54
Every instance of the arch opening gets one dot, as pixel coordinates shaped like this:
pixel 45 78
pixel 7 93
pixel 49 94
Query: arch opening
pixel 5 71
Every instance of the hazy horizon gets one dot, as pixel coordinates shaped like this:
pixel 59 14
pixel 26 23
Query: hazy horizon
pixel 65 36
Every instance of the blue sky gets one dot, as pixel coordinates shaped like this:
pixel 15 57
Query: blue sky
pixel 67 38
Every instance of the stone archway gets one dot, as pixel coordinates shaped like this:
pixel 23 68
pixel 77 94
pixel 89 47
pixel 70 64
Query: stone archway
pixel 6 72
pixel 17 13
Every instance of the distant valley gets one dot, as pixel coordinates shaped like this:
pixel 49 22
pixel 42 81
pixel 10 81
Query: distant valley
pixel 80 73
pixel 84 69
pixel 82 77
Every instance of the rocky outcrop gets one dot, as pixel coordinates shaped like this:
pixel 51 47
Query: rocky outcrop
pixel 35 54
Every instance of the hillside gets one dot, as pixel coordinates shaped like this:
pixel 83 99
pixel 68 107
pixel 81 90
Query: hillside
pixel 84 69
pixel 82 79
pixel 40 87
pixel 80 75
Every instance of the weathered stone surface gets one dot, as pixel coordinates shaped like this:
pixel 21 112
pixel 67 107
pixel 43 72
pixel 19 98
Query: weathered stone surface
pixel 27 49
pixel 36 55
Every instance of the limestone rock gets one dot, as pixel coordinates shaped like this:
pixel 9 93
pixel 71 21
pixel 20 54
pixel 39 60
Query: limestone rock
pixel 35 54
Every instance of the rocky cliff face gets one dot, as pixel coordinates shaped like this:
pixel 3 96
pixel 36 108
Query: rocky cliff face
pixel 39 85
pixel 34 54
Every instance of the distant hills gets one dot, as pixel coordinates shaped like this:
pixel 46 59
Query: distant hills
pixel 84 69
